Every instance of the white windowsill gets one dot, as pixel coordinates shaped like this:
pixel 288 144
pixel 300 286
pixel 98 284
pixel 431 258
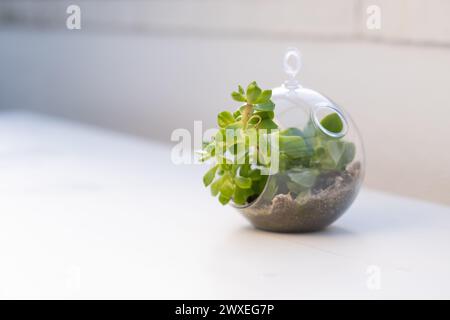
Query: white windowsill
pixel 86 213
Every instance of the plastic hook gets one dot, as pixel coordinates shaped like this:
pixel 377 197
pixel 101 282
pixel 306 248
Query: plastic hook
pixel 292 64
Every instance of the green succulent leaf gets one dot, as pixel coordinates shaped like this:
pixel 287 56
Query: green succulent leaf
pixel 304 177
pixel 348 155
pixel 245 170
pixel 336 149
pixel 223 199
pixel 238 96
pixel 215 187
pixel 266 106
pixel 265 114
pixel 224 119
pixel 254 120
pixel 294 187
pixel 253 93
pixel 209 176
pixel 264 97
pixel 235 125
pixel 267 124
pixel 227 188
pixel 255 174
pixel 293 146
pixel 243 182
pixel 292 132
pixel 332 123
pixel 240 196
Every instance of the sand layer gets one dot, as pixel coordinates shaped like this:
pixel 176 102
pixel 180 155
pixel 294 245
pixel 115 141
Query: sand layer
pixel 327 200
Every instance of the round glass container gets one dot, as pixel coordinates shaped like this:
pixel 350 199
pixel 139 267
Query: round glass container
pixel 321 173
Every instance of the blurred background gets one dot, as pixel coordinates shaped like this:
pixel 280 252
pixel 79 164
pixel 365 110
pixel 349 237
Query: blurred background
pixel 148 67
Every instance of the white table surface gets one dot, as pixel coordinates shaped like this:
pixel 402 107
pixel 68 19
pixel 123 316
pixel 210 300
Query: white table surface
pixel 87 213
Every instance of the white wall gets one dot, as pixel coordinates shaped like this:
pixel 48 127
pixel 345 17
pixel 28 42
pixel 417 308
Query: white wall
pixel 403 21
pixel 167 70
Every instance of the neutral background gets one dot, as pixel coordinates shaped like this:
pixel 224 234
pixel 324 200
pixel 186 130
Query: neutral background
pixel 148 67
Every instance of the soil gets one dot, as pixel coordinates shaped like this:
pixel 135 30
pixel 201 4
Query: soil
pixel 327 200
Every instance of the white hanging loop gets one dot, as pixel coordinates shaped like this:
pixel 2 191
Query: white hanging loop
pixel 292 64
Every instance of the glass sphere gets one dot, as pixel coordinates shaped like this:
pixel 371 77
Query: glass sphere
pixel 320 174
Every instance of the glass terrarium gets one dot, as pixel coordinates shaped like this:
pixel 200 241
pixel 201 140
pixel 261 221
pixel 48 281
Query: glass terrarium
pixel 320 177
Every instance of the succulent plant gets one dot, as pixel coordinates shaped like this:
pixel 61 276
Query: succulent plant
pixel 303 154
